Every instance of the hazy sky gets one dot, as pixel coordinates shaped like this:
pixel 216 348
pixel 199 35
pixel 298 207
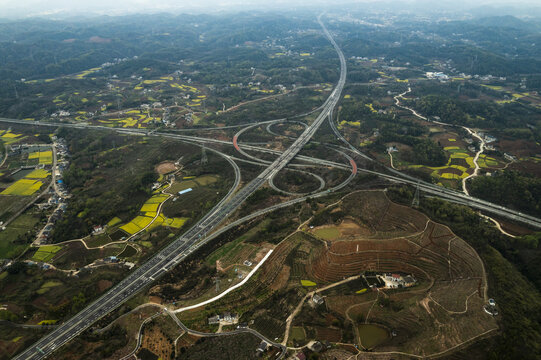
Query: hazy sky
pixel 25 8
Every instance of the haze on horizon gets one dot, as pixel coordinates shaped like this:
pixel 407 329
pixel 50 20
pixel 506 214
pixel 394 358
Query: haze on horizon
pixel 66 8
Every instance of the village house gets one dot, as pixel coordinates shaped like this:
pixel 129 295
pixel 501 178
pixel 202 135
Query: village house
pixel 393 281
pixel 226 319
pixel 317 300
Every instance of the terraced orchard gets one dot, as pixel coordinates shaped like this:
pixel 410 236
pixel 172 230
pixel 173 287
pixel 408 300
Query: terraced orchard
pixel 444 308
pixel 336 256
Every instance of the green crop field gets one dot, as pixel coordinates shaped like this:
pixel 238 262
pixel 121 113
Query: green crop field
pixel 23 187
pixel 46 253
pixel 38 174
pixel 114 221
pixel 9 247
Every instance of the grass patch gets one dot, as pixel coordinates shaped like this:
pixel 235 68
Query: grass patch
pixel 9 246
pixel 48 286
pixel 129 251
pixel 308 283
pixel 372 335
pixel 327 233
pixel 220 252
pixel 297 333
pixel 183 185
pixel 206 180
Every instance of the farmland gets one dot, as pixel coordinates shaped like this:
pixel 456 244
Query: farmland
pixel 8 137
pixel 18 235
pixel 398 239
pixel 327 233
pixel 21 182
pixel 23 187
pixel 157 341
pixel 43 157
pixel 46 253
pixel 375 235
pixel 150 218
pixel 454 103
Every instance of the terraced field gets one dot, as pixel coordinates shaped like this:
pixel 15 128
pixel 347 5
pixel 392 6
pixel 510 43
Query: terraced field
pixel 148 219
pixel 432 316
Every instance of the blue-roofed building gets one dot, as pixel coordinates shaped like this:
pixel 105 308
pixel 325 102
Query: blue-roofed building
pixel 185 191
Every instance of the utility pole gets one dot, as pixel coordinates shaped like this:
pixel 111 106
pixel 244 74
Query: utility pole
pixel 204 158
pixel 415 202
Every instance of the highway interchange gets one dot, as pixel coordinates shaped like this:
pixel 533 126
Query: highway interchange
pixel 182 247
pixel 196 236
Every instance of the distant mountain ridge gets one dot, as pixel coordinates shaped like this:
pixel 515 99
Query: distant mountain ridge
pixel 508 21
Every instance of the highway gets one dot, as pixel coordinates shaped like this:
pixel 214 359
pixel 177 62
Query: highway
pixel 196 236
pixel 395 176
pixel 183 246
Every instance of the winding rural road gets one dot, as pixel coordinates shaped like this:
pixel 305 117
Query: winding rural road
pixel 475 159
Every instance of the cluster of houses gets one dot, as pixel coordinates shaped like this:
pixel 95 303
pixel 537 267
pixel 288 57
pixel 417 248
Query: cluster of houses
pixel 116 61
pixel 225 319
pixel 393 281
pixel 58 193
pixel 376 280
pixel 437 75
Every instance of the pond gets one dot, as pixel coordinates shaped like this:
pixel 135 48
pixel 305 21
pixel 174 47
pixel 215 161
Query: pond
pixel 372 335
